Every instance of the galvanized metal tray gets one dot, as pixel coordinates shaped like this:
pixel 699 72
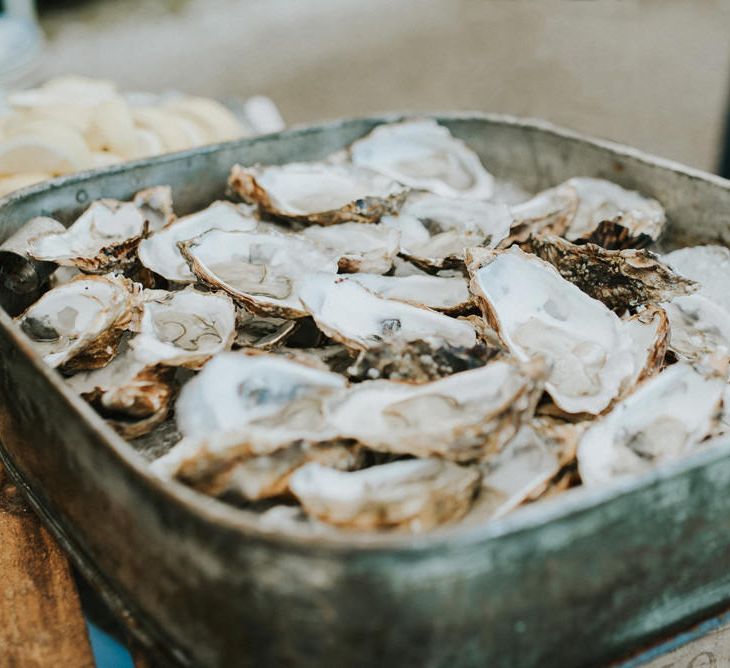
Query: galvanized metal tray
pixel 574 581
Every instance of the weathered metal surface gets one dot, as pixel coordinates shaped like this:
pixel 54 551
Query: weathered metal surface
pixel 573 581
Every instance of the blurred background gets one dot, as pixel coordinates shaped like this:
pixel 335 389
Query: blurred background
pixel 651 73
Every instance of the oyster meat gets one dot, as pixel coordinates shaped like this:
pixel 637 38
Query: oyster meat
pixel 317 193
pixel 349 313
pixel 79 325
pixel 464 417
pixel 668 416
pixel 537 313
pixel 447 294
pixel 424 155
pixel 417 493
pixel 435 230
pixel 358 248
pixel 600 200
pixel 105 236
pixel 160 252
pixel 621 279
pixel 263 271
pixel 184 328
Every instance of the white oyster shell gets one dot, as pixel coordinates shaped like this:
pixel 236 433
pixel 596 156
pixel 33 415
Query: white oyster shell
pixel 521 469
pixel 600 200
pixel 155 204
pixel 698 327
pixel 466 416
pixel 425 155
pixel 346 311
pixel 539 314
pixel 78 325
pixel 709 266
pixel 236 391
pixel 160 252
pixel 184 328
pixel 448 294
pixel 264 271
pixel 419 494
pixel 359 248
pixel 435 230
pixel 103 237
pixel 548 212
pixel 318 193
pixel 667 417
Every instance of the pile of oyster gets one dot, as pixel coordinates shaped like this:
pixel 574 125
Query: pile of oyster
pixel 389 339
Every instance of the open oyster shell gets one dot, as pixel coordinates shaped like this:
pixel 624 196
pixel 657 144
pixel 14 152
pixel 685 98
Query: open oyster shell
pixel 417 493
pixel 359 248
pixel 447 294
pixel 465 417
pixel 236 391
pixel 707 265
pixel 160 252
pixel 548 212
pixel 423 154
pixel 132 395
pixel 435 230
pixel 263 476
pixel 522 469
pixel 600 200
pixel 155 204
pixel 184 328
pixel 263 271
pixel 317 193
pixel 621 279
pixel 79 325
pixel 698 327
pixel 538 313
pixel 667 417
pixel 105 236
pixel 349 313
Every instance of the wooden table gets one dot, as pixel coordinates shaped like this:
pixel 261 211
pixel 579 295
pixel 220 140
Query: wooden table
pixel 41 622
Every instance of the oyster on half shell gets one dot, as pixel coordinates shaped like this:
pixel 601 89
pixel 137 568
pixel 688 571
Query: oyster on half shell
pixel 417 493
pixel 435 230
pixel 317 193
pixel 666 417
pixel 423 154
pixel 79 325
pixel 349 313
pixel 538 313
pixel 160 252
pixel 263 271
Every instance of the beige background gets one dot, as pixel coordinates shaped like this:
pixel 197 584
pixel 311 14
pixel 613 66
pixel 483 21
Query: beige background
pixel 652 73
